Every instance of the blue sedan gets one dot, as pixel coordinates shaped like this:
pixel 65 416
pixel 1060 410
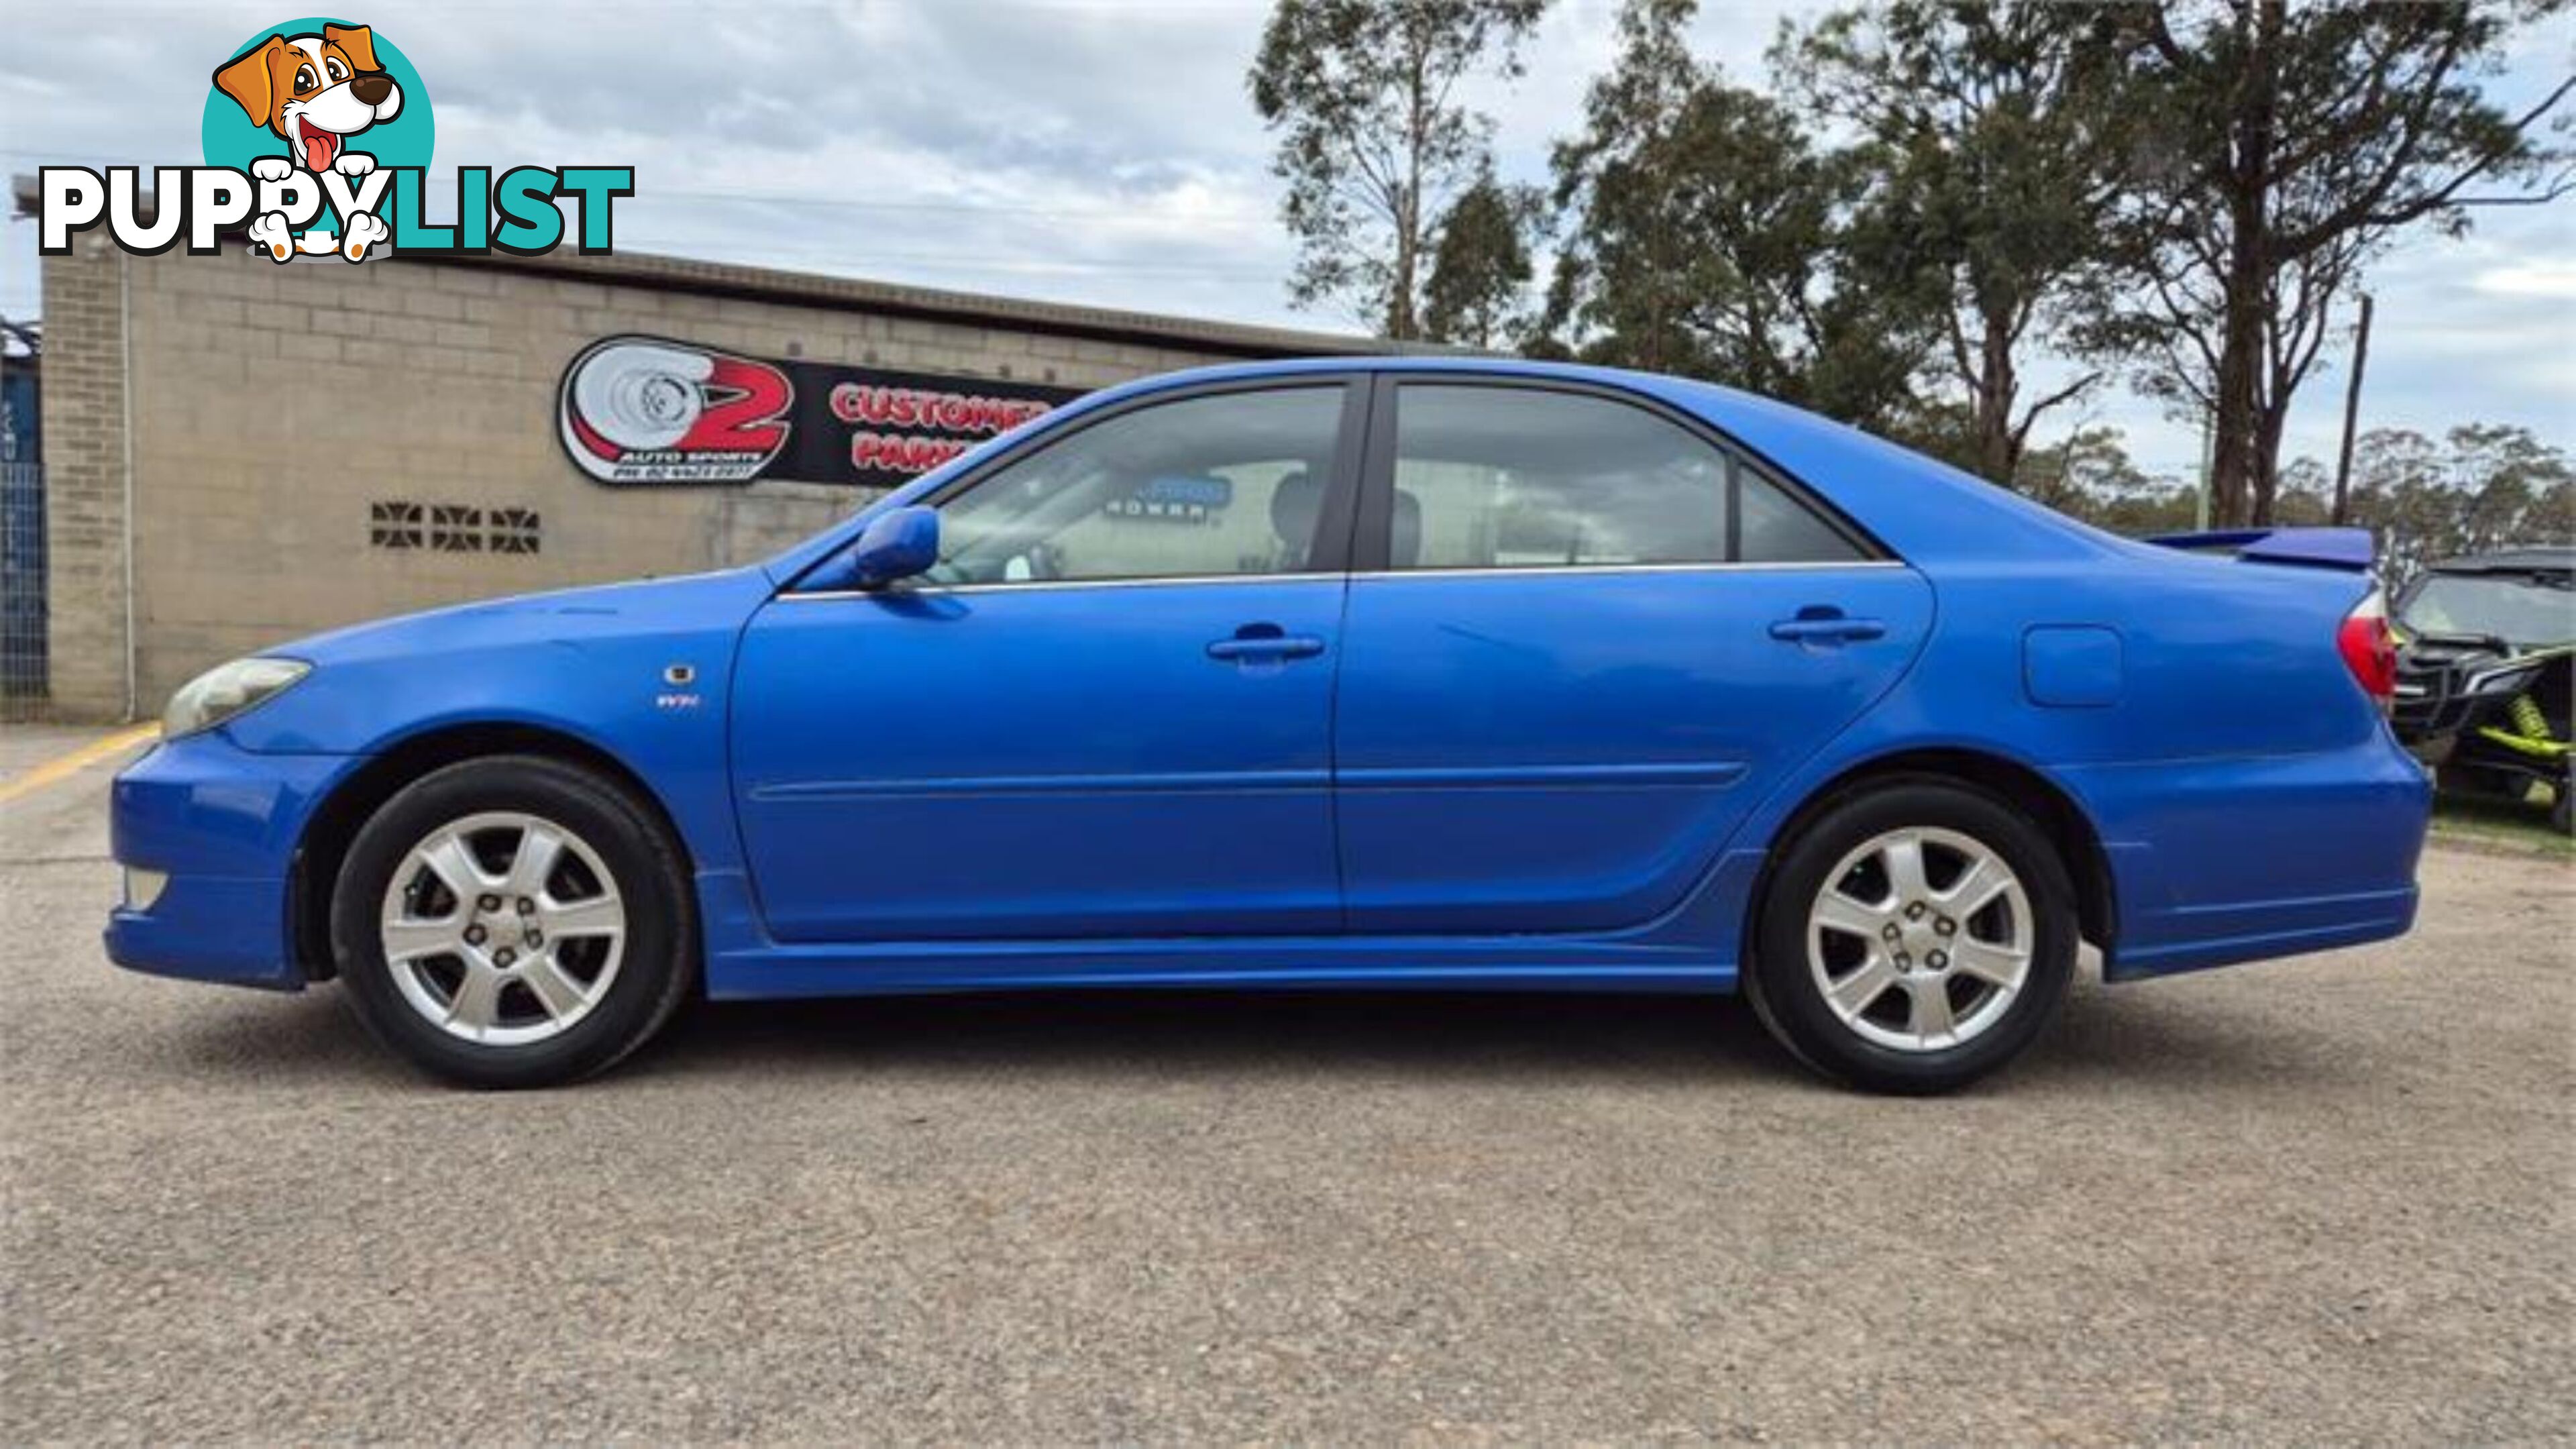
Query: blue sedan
pixel 1359 673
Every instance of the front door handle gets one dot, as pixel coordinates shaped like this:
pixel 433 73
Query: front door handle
pixel 1827 625
pixel 1265 643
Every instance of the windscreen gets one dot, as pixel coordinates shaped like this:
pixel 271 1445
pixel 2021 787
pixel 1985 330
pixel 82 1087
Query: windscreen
pixel 2522 609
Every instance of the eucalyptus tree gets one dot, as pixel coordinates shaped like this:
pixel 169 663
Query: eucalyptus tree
pixel 2282 148
pixel 1708 233
pixel 1375 140
pixel 1480 271
pixel 1999 139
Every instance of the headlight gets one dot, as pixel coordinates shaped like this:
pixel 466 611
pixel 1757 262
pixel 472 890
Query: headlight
pixel 226 690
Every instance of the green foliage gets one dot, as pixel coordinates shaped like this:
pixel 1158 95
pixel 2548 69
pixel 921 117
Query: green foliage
pixel 2282 147
pixel 1999 141
pixel 2090 476
pixel 2481 486
pixel 2478 487
pixel 1373 141
pixel 2182 191
pixel 1480 273
pixel 1714 238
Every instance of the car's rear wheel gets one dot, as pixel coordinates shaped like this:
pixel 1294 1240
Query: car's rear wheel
pixel 1914 937
pixel 513 922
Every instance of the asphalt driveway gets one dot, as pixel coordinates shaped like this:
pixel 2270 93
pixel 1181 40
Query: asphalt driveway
pixel 2331 1199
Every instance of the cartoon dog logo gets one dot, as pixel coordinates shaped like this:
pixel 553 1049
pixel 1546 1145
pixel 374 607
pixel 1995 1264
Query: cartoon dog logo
pixel 314 92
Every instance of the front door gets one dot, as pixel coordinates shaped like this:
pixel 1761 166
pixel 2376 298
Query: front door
pixel 1105 713
pixel 1583 640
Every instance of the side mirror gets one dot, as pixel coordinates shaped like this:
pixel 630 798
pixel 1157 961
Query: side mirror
pixel 895 546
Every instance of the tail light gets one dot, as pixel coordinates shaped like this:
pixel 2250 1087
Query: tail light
pixel 2369 650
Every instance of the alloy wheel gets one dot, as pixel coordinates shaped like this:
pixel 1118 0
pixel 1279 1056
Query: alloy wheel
pixel 503 928
pixel 1920 939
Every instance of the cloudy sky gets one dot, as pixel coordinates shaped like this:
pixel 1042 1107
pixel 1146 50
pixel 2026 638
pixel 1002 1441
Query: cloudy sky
pixel 1097 151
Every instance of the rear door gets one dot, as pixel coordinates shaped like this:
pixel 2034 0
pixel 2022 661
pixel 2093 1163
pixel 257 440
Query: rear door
pixel 1584 637
pixel 1105 712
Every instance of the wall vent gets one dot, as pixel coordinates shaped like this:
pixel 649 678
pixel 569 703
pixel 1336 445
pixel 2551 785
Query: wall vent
pixel 514 530
pixel 395 523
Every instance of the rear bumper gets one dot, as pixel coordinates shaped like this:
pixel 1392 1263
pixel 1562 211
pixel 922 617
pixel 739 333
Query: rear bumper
pixel 2227 935
pixel 2221 861
pixel 222 824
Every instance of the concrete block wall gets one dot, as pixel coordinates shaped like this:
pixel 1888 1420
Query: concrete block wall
pixel 83 425
pixel 273 405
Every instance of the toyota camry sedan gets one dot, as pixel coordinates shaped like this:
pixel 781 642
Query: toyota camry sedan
pixel 1376 673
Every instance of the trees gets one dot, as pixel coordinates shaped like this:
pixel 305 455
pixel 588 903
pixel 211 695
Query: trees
pixel 2000 134
pixel 1606 178
pixel 1713 237
pixel 1966 213
pixel 2287 146
pixel 2090 476
pixel 1373 140
pixel 1481 269
pixel 2480 486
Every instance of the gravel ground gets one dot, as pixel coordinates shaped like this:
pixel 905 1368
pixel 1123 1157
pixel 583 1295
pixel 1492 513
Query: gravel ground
pixel 2331 1199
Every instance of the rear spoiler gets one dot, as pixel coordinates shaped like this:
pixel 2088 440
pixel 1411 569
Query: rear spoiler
pixel 2325 548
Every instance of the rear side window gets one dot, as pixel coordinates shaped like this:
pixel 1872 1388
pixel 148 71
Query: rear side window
pixel 1774 528
pixel 1506 477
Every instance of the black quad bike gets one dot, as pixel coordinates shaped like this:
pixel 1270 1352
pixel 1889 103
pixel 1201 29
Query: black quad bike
pixel 2486 668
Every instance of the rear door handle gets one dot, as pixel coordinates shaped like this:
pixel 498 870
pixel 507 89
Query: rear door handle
pixel 1262 643
pixel 1818 627
pixel 1291 646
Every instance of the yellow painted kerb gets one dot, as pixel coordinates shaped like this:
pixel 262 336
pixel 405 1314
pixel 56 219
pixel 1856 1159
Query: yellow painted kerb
pixel 62 767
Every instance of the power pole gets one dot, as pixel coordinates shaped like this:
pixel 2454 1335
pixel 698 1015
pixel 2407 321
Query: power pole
pixel 2351 412
pixel 2208 466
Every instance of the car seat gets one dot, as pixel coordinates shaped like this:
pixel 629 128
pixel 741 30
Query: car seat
pixel 1294 505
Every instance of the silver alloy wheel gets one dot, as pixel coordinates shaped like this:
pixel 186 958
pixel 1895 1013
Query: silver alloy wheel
pixel 1920 939
pixel 503 928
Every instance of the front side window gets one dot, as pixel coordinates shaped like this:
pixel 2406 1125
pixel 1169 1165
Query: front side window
pixel 1231 483
pixel 1503 477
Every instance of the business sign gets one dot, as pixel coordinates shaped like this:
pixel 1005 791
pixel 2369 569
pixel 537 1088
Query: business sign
pixel 649 410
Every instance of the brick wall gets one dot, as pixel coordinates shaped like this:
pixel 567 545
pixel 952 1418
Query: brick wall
pixel 272 405
pixel 84 450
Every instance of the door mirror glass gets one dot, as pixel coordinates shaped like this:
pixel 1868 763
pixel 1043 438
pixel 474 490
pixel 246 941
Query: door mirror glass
pixel 894 546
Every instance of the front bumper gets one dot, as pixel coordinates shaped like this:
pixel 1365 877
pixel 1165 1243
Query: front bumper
pixel 222 824
pixel 2429 707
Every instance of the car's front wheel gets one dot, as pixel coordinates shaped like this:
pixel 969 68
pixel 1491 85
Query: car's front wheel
pixel 1914 937
pixel 513 922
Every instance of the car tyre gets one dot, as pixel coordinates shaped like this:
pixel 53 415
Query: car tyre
pixel 1913 936
pixel 514 921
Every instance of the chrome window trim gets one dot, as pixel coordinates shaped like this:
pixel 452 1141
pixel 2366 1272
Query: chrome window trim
pixel 938 591
pixel 1184 580
pixel 1543 570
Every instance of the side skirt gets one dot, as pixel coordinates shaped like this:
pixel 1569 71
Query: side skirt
pixel 1690 950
